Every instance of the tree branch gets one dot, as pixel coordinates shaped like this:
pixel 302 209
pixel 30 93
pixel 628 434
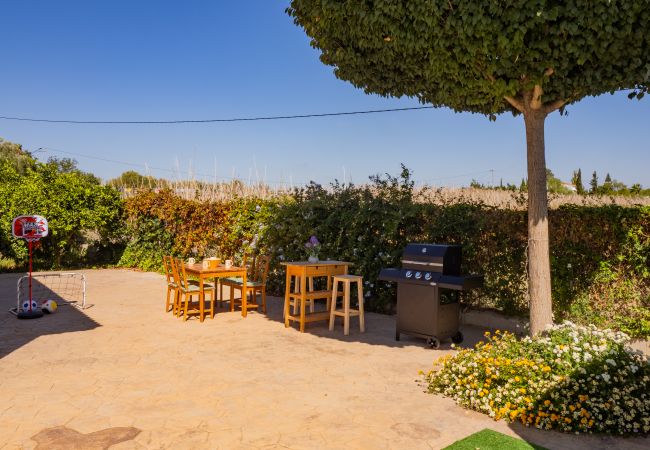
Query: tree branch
pixel 519 106
pixel 557 104
pixel 536 100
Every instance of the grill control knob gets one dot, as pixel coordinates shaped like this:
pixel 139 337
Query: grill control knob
pixel 409 274
pixel 427 276
pixel 418 275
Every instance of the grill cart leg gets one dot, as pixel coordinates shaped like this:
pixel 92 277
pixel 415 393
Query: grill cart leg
pixel 457 338
pixel 397 335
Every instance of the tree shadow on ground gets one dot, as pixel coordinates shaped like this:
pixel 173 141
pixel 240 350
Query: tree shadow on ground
pixel 15 333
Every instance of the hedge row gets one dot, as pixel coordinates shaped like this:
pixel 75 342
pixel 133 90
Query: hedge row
pixel 600 256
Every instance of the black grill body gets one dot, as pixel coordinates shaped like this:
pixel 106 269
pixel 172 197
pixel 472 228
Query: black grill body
pixel 429 286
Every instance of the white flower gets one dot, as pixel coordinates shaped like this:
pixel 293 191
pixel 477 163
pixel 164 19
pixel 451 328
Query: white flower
pixel 605 377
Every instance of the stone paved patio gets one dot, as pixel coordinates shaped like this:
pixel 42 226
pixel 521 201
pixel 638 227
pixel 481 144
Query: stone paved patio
pixel 226 383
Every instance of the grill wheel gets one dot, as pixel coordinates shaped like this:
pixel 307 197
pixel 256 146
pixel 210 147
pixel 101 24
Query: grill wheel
pixel 433 343
pixel 457 338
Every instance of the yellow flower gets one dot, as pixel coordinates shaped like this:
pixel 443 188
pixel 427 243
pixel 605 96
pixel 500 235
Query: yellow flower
pixel 567 420
pixel 517 379
pixel 546 369
pixel 522 390
pixel 572 408
pixel 547 403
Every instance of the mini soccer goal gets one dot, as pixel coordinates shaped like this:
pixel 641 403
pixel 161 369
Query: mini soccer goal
pixel 63 288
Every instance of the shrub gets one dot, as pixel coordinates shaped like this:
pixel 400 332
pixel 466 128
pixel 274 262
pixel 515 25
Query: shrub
pixel 572 378
pixel 84 217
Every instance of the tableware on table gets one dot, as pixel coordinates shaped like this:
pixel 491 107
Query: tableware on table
pixel 228 263
pixel 191 261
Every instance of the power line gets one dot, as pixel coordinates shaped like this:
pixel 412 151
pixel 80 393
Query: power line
pixel 236 119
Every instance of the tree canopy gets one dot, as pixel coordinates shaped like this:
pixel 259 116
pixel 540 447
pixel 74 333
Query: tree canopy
pixel 481 56
pixel 15 155
pixel 524 56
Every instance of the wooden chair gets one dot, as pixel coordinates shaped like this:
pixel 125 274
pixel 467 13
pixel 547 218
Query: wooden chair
pixel 346 312
pixel 255 283
pixel 227 281
pixel 172 284
pixel 187 290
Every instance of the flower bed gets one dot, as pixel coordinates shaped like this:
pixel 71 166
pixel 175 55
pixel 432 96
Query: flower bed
pixel 573 378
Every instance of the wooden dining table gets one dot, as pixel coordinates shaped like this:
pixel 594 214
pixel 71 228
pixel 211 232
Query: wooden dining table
pixel 304 270
pixel 220 271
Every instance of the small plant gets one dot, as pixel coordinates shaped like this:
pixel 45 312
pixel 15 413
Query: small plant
pixel 572 378
pixel 7 264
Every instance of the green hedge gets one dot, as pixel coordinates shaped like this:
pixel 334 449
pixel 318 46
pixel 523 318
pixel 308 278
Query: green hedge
pixel 600 256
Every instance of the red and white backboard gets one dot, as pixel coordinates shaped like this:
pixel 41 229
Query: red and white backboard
pixel 31 228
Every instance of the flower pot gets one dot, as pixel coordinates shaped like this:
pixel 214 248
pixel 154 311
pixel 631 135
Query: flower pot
pixel 313 259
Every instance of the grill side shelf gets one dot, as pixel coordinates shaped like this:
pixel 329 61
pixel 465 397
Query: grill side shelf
pixel 462 282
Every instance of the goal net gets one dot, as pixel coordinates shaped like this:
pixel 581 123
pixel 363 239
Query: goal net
pixel 63 288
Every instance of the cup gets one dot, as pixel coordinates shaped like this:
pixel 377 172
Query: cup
pixel 228 263
pixel 191 261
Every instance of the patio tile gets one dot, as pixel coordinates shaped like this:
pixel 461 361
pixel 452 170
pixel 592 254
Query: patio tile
pixel 228 382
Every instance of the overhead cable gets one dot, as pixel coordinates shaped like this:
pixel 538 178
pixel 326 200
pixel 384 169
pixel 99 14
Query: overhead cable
pixel 186 121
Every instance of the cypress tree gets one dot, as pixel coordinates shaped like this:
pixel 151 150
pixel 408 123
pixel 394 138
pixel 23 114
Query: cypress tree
pixel 594 183
pixel 577 182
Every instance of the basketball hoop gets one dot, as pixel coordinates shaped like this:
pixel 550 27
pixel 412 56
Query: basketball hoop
pixel 32 229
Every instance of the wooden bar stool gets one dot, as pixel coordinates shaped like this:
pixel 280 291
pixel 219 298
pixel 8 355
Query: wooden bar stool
pixel 346 312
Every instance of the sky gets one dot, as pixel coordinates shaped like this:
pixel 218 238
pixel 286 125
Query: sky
pixel 171 60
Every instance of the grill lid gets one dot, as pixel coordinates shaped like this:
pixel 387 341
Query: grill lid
pixel 433 257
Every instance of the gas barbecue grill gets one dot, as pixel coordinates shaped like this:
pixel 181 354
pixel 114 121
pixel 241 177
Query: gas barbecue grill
pixel 428 292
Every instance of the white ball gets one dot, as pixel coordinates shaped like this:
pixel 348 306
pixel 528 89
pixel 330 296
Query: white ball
pixel 49 306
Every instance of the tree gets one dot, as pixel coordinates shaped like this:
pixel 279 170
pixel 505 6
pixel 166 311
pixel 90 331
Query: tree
pixel 133 179
pixel 607 187
pixel 554 184
pixel 527 58
pixel 523 186
pixel 16 156
pixel 576 180
pixel 594 183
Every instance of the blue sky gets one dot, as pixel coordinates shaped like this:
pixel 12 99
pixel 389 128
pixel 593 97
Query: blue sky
pixel 164 60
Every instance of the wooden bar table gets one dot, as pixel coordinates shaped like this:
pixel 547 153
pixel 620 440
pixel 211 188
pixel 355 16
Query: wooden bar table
pixel 304 270
pixel 219 272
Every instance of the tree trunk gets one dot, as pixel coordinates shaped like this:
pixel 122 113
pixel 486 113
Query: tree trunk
pixel 539 269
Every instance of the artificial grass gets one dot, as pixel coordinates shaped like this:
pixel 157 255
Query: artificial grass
pixel 491 440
